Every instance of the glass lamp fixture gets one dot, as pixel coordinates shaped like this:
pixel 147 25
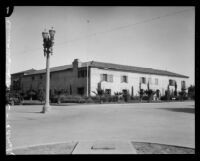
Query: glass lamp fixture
pixel 52 33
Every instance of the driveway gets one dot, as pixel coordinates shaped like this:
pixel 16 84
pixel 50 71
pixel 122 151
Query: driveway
pixel 167 123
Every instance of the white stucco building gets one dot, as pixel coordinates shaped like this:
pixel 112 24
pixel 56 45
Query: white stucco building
pixel 82 78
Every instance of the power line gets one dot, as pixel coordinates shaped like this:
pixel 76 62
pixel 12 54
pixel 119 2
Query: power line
pixel 116 28
pixel 124 26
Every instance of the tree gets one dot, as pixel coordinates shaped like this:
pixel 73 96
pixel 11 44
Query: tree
pixel 41 95
pixel 175 92
pixel 31 93
pixel 191 92
pixel 167 93
pixel 99 93
pixel 150 93
pixel 7 95
pixel 182 94
pixel 118 95
pixel 141 93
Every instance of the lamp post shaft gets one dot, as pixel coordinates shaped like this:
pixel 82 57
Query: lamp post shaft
pixel 47 106
pixel 48 41
pixel 87 81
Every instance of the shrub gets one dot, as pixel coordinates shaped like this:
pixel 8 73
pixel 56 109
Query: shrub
pixel 141 93
pixel 71 99
pixel 89 100
pixel 149 93
pixel 182 95
pixel 146 98
pixel 135 98
pixel 191 92
pixel 126 97
pixel 163 98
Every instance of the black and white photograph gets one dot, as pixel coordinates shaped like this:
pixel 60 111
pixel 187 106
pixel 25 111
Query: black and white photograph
pixel 100 80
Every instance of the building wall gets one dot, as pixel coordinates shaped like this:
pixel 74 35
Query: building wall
pixel 59 80
pixel 34 82
pixel 64 79
pixel 133 81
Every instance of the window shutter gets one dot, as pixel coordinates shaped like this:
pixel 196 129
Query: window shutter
pixel 121 79
pixel 101 77
pixel 149 80
pixel 110 78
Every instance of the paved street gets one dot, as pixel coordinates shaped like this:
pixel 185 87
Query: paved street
pixel 168 123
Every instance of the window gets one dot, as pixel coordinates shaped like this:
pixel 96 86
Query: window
pixel 82 73
pixel 156 81
pixel 125 91
pixel 33 78
pixel 104 77
pixel 41 76
pixel 107 77
pixel 172 82
pixel 80 90
pixel 108 91
pixel 183 85
pixel 124 78
pixel 143 80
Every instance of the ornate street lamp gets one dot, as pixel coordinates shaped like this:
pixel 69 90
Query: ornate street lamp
pixel 48 41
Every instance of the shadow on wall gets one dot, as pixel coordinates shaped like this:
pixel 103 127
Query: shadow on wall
pixel 186 110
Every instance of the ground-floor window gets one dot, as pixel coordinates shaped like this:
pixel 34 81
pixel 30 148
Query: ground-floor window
pixel 108 91
pixel 125 91
pixel 80 91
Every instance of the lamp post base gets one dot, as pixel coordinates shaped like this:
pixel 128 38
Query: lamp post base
pixel 46 108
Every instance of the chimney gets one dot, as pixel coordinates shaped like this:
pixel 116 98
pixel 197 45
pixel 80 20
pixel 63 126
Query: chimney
pixel 76 63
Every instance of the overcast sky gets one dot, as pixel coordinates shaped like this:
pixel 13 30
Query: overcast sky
pixel 153 37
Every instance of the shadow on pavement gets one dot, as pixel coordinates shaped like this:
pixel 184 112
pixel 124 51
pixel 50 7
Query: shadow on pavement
pixel 186 110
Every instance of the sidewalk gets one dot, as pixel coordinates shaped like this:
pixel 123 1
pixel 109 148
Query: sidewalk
pixel 104 147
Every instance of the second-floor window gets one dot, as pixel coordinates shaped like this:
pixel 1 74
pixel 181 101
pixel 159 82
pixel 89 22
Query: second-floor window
pixel 107 77
pixel 82 73
pixel 143 80
pixel 172 82
pixel 124 78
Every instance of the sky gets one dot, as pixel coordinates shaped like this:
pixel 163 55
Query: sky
pixel 152 37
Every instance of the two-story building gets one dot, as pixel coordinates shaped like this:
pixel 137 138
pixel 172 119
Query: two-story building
pixel 84 78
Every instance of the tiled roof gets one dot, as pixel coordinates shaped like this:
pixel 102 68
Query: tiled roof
pixel 126 68
pixel 53 69
pixel 26 71
pixel 135 69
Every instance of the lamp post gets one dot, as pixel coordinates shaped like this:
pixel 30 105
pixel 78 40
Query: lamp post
pixel 48 41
